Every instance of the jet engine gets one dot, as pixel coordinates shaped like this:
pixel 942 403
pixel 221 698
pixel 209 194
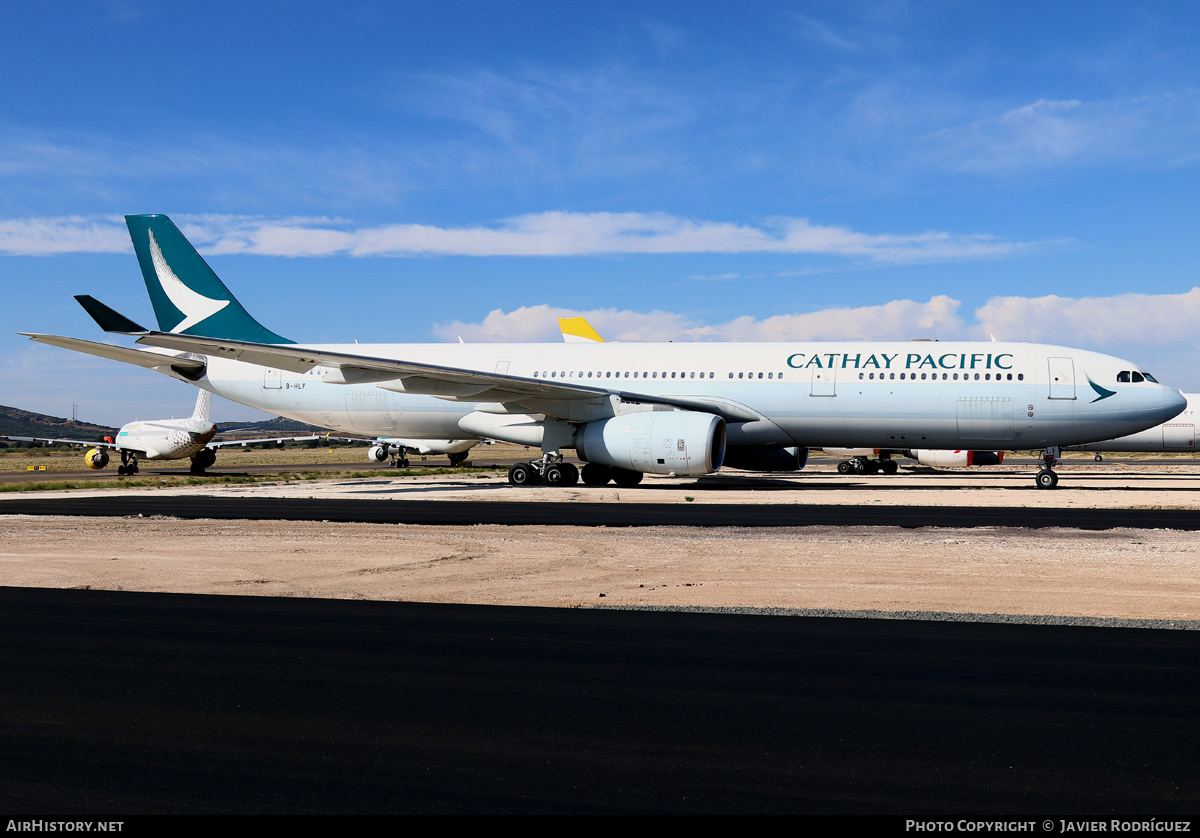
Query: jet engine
pixel 96 458
pixel 377 453
pixel 658 442
pixel 767 459
pixel 958 459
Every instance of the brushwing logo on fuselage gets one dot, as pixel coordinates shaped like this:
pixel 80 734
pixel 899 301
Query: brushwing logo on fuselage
pixel 1101 392
pixel 196 307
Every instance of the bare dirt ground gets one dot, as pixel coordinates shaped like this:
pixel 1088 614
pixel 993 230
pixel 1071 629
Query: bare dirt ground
pixel 1124 574
pixel 1128 574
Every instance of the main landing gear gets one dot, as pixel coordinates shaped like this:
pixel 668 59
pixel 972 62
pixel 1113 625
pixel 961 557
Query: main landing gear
pixel 550 469
pixel 202 460
pixel 1046 478
pixel 129 463
pixel 865 465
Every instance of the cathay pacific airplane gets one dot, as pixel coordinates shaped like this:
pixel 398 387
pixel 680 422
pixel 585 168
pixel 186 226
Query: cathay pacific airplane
pixel 628 409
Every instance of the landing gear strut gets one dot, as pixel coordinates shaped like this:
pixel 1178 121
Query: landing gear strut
pixel 129 463
pixel 1046 478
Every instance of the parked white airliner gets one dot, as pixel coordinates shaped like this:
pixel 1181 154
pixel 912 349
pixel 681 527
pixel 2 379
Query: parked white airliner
pixel 629 409
pixel 159 439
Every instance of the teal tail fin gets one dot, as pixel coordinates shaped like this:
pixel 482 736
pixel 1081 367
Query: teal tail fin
pixel 188 297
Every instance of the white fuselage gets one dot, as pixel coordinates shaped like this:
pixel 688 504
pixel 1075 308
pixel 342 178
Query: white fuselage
pixel 989 396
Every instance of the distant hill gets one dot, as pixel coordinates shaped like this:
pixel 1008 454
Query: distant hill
pixel 278 425
pixel 19 422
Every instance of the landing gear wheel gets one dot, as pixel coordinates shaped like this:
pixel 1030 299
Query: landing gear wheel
pixel 1046 479
pixel 122 470
pixel 522 474
pixel 595 474
pixel 572 474
pixel 561 474
pixel 872 466
pixel 889 467
pixel 1099 458
pixel 844 467
pixel 626 479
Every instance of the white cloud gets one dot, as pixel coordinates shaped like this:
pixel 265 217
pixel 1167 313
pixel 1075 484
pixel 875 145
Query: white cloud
pixel 1161 129
pixel 73 234
pixel 896 320
pixel 1121 320
pixel 537 234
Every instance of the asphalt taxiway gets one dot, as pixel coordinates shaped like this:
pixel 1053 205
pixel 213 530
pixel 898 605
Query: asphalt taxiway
pixel 119 704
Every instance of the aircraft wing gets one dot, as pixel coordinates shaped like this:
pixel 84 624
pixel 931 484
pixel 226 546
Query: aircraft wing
pixel 259 441
pixel 148 358
pixel 80 442
pixel 446 382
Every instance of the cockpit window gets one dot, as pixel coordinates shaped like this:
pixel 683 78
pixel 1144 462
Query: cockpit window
pixel 1123 377
pixel 1149 377
pixel 1138 378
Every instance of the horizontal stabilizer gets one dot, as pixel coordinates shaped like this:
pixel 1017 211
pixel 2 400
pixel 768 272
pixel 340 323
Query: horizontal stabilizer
pixel 108 319
pixel 187 367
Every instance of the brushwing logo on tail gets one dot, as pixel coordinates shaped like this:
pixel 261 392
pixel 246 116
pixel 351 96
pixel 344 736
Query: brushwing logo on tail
pixel 196 307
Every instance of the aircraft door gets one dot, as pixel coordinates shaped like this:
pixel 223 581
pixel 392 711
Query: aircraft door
pixel 1062 378
pixel 272 378
pixel 1179 437
pixel 824 382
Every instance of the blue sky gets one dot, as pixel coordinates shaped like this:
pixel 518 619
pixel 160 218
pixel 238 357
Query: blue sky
pixel 780 171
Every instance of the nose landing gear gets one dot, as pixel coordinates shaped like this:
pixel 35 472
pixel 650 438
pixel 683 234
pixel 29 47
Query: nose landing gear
pixel 1046 477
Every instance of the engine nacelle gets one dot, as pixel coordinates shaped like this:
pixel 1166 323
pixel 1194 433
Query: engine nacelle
pixel 657 442
pixel 958 459
pixel 96 458
pixel 766 459
pixel 377 453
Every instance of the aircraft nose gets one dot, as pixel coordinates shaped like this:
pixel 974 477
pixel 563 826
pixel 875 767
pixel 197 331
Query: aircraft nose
pixel 1173 404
